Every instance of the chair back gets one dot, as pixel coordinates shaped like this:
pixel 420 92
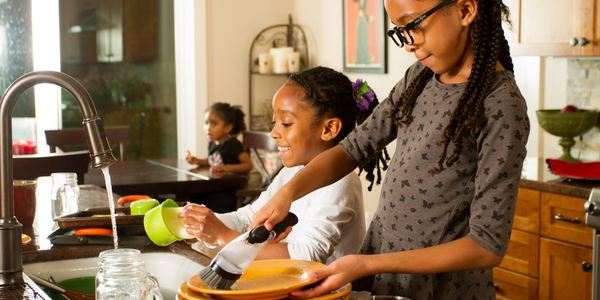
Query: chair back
pixel 261 140
pixel 32 166
pixel 61 138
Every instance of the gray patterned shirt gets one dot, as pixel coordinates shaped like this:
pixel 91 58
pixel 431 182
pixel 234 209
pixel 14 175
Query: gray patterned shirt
pixel 476 197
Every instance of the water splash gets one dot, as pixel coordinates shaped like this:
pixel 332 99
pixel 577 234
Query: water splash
pixel 111 205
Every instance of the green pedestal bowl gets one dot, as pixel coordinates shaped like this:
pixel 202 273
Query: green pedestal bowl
pixel 567 126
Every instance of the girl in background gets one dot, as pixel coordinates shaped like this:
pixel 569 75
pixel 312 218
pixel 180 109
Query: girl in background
pixel 222 123
pixel 313 111
pixel 460 124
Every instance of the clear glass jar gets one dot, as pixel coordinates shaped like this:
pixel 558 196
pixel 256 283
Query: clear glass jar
pixel 123 276
pixel 65 194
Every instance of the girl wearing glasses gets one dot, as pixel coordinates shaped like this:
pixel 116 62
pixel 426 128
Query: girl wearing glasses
pixel 459 123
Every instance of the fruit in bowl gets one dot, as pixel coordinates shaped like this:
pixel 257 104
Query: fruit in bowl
pixel 569 108
pixel 567 125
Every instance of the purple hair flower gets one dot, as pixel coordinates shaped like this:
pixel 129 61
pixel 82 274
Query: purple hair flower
pixel 363 94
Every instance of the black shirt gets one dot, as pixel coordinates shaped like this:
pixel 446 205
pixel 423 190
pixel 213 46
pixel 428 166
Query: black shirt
pixel 225 153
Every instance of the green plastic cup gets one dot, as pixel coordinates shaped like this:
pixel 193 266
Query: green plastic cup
pixel 141 207
pixel 163 226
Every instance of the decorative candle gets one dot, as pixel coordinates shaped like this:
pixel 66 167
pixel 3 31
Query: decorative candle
pixel 293 60
pixel 264 63
pixel 280 61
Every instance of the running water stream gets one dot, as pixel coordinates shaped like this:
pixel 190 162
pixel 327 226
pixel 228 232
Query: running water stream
pixel 111 205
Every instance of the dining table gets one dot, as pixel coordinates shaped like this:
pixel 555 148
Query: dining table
pixel 163 176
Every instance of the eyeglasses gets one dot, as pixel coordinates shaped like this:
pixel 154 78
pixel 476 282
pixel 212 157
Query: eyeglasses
pixel 399 31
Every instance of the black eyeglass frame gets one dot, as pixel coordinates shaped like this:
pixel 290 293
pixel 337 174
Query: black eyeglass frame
pixel 397 30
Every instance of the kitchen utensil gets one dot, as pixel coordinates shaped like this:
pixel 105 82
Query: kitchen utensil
pixel 131 198
pixel 567 126
pixel 163 226
pixel 71 294
pixel 128 235
pixel 233 259
pixel 383 297
pixel 264 279
pixel 86 285
pixel 141 207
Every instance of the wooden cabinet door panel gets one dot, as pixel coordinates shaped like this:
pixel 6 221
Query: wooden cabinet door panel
pixel 545 27
pixel 512 286
pixel 561 274
pixel 523 252
pixel 570 208
pixel 527 213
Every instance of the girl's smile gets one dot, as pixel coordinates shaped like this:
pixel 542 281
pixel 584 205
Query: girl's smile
pixel 296 132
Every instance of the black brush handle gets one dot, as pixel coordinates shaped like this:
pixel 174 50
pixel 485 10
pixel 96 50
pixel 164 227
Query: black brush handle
pixel 261 234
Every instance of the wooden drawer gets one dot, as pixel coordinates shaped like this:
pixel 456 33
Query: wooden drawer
pixel 527 213
pixel 514 286
pixel 523 252
pixel 561 272
pixel 570 208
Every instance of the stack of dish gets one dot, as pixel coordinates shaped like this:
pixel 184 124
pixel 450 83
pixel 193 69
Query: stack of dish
pixel 264 280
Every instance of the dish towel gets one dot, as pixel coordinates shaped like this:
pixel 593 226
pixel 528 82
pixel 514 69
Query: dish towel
pixel 582 170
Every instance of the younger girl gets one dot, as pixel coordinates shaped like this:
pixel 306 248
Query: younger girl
pixel 313 111
pixel 448 200
pixel 222 123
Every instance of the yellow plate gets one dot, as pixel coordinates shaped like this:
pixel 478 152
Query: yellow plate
pixel 185 293
pixel 264 279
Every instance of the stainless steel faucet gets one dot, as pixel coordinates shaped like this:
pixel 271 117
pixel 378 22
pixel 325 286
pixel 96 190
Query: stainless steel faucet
pixel 11 254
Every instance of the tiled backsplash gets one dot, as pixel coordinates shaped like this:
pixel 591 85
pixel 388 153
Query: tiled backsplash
pixel 583 91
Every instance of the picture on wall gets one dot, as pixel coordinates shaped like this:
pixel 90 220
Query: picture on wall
pixel 364 36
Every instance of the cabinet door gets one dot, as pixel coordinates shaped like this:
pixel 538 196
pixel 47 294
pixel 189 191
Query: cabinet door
pixel 561 274
pixel 523 252
pixel 545 27
pixel 591 28
pixel 563 218
pixel 527 213
pixel 512 286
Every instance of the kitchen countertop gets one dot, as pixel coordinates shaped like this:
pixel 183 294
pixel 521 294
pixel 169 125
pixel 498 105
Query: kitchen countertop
pixel 535 176
pixel 40 248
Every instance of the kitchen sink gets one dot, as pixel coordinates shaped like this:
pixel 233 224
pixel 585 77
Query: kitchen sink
pixel 170 269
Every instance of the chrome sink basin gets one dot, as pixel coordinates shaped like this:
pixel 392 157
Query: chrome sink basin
pixel 170 269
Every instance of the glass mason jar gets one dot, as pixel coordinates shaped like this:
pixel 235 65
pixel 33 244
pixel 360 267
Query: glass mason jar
pixel 65 194
pixel 123 276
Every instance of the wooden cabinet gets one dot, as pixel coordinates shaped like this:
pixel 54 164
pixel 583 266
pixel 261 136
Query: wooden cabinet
pixel 108 30
pixel 548 246
pixel 554 27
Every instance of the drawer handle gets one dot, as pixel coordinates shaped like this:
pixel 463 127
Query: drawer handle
pixel 561 218
pixel 586 266
pixel 496 287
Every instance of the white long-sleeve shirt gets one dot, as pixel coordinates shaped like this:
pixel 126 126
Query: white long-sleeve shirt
pixel 331 220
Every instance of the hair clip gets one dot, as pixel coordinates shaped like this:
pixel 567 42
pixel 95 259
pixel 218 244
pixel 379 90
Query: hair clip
pixel 363 94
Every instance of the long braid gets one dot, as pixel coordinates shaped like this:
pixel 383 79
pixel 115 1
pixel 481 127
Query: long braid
pixel 489 46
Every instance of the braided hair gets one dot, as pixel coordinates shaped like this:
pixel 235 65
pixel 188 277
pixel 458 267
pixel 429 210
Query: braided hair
pixel 330 93
pixel 231 115
pixel 489 46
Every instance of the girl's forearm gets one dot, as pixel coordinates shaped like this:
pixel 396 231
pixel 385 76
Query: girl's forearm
pixel 325 169
pixel 458 255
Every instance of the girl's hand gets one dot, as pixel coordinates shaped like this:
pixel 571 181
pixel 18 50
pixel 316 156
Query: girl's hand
pixel 337 274
pixel 192 160
pixel 218 168
pixel 273 212
pixel 204 224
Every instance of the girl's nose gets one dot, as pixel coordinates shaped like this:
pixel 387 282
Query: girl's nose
pixel 274 133
pixel 411 48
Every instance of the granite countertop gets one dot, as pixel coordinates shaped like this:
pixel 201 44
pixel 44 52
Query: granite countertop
pixel 41 249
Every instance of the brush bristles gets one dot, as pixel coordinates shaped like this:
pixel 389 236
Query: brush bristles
pixel 217 278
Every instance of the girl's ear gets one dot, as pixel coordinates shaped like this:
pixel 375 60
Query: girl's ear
pixel 468 11
pixel 331 129
pixel 228 128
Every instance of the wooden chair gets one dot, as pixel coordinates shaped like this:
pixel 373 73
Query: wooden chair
pixel 32 166
pixel 254 141
pixel 76 136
